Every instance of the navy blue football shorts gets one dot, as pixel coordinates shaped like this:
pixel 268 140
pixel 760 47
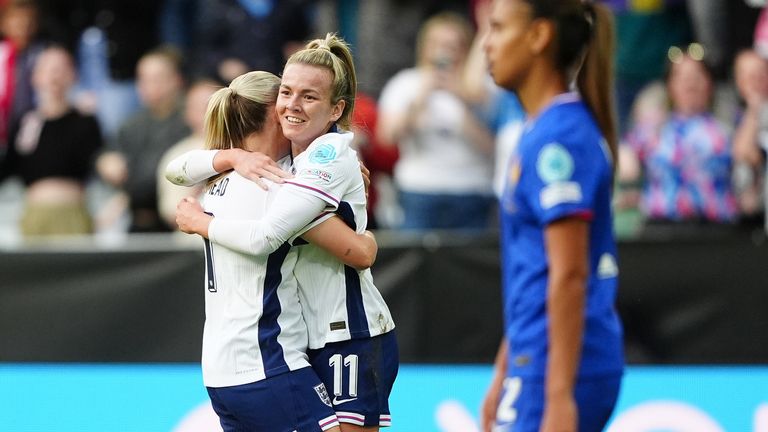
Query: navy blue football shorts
pixel 359 375
pixel 293 401
pixel 521 406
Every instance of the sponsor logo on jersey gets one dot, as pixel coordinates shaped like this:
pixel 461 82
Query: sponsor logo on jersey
pixel 337 401
pixel 338 325
pixel 323 176
pixel 522 360
pixel 323 154
pixel 560 193
pixel 322 393
pixel 554 164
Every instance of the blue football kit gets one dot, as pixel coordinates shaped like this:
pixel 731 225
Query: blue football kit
pixel 560 169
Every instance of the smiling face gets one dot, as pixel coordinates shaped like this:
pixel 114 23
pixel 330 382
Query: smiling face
pixel 304 104
pixel 505 45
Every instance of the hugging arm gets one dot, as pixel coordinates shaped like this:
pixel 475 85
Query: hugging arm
pixel 288 216
pixel 198 165
pixel 291 211
pixel 355 250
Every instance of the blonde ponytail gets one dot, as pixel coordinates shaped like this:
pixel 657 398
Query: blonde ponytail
pixel 334 54
pixel 239 110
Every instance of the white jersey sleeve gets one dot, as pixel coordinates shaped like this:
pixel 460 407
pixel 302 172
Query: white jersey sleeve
pixel 286 217
pixel 327 168
pixel 324 173
pixel 191 168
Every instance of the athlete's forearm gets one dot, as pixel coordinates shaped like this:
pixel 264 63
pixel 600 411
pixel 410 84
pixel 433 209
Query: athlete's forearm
pixel 192 167
pixel 565 306
pixel 500 362
pixel 567 251
pixel 288 215
pixel 225 160
pixel 335 237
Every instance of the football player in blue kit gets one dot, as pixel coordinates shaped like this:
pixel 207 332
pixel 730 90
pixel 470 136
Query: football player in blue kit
pixel 560 364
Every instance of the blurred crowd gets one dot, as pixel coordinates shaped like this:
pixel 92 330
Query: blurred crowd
pixel 96 96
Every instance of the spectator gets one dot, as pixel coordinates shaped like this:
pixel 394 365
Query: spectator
pixel 52 152
pixel 241 35
pixel 378 158
pixel 108 37
pixel 649 111
pixel 18 51
pixel 445 166
pixel 687 161
pixel 760 36
pixel 507 115
pixel 145 136
pixel 363 23
pixel 169 194
pixel 750 141
pixel 644 31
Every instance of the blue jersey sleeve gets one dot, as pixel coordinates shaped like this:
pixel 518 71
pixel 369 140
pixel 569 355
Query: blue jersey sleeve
pixel 562 179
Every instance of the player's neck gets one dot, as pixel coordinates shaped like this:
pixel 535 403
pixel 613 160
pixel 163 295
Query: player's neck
pixel 541 86
pixel 265 142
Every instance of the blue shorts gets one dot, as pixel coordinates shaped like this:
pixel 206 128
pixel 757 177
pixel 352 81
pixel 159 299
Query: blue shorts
pixel 359 375
pixel 521 406
pixel 293 401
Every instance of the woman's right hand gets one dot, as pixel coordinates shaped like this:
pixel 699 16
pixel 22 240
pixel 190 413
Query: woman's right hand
pixel 191 218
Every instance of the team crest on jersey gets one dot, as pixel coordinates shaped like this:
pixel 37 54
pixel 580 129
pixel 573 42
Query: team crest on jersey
pixel 554 164
pixel 513 177
pixel 322 393
pixel 314 173
pixel 323 154
pixel 514 172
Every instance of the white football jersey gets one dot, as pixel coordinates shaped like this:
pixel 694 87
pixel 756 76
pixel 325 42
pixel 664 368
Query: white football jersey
pixel 339 302
pixel 253 327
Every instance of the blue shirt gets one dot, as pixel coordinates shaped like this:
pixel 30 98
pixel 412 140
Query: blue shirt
pixel 561 168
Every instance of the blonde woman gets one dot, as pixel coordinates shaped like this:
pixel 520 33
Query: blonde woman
pixel 255 364
pixel 351 339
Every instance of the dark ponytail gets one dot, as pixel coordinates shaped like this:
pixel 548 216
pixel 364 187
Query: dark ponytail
pixel 595 78
pixel 585 43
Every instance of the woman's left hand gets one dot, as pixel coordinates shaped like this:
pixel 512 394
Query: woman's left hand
pixel 191 218
pixel 560 414
pixel 366 178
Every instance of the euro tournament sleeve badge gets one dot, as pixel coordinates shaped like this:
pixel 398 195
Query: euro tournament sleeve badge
pixel 323 154
pixel 554 164
pixel 554 167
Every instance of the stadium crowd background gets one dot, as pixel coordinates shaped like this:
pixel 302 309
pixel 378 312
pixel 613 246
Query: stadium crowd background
pixel 679 269
pixel 215 40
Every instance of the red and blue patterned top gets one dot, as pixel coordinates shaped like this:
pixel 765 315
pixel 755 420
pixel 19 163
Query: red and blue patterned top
pixel 687 165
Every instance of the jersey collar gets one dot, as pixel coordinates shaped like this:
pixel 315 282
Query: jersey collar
pixel 561 99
